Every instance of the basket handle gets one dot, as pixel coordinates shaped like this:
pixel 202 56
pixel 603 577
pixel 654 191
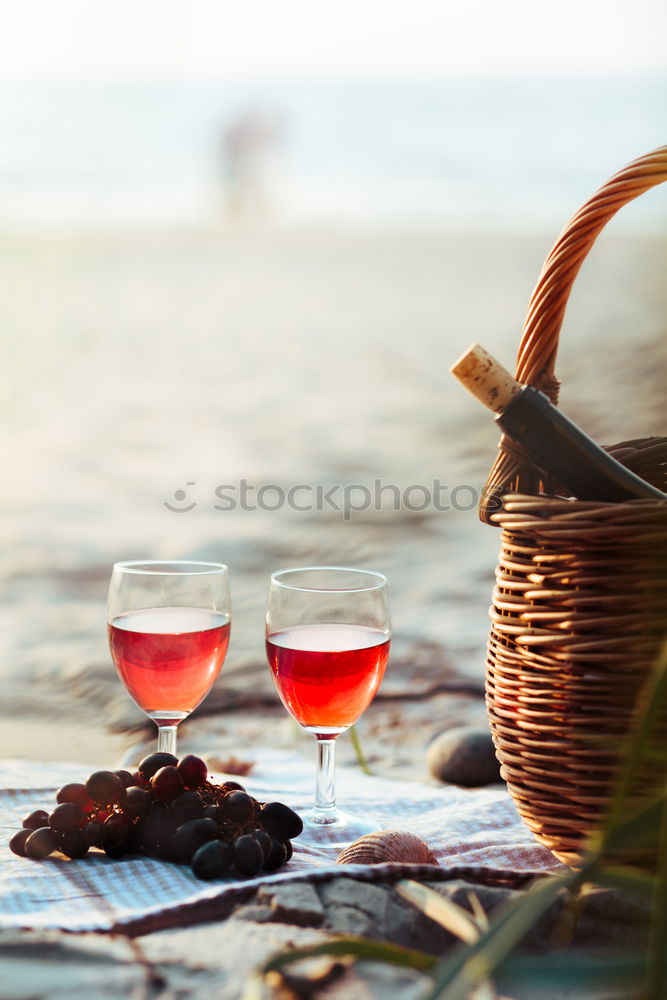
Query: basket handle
pixel 536 359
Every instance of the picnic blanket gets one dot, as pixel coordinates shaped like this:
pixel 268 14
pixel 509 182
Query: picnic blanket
pixel 473 833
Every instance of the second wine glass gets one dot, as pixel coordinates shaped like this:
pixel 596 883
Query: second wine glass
pixel 327 643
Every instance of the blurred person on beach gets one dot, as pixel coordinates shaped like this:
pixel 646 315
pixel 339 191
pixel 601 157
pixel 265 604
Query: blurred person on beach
pixel 247 145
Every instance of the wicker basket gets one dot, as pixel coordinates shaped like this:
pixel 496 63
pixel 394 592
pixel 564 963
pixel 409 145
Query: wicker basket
pixel 580 603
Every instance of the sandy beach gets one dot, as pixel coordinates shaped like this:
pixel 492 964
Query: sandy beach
pixel 240 248
pixel 155 369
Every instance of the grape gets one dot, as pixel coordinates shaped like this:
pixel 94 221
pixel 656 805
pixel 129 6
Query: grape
pixel 232 786
pixel 67 816
pixel 237 807
pixel 215 813
pixel 114 831
pixel 189 837
pixel 93 833
pixel 115 837
pixel 105 787
pixel 193 771
pixel 133 845
pixel 154 830
pixel 76 793
pixel 187 806
pixel 264 840
pixel 137 801
pixel 277 856
pixel 41 843
pixel 36 819
pixel 280 821
pixel 118 851
pixel 212 859
pixel 166 784
pixel 74 844
pixel 166 809
pixel 125 777
pixel 248 856
pixel 17 843
pixel 149 765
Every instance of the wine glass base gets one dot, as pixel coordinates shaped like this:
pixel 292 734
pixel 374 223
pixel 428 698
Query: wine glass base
pixel 335 830
pixel 162 718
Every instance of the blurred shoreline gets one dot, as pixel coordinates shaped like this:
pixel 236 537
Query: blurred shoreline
pixel 140 363
pixel 442 154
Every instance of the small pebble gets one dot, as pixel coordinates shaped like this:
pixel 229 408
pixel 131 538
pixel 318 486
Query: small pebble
pixel 464 756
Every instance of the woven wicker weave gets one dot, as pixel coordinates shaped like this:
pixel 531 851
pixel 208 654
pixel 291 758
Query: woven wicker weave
pixel 580 603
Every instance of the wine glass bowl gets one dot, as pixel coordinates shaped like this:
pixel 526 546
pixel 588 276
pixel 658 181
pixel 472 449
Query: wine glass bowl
pixel 327 644
pixel 168 627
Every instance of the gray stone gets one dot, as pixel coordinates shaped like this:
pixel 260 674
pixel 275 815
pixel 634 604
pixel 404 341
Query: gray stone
pixel 367 896
pixel 297 903
pixel 615 904
pixel 378 912
pixel 611 917
pixel 353 907
pixel 464 756
pixel 350 920
pixel 599 918
pixel 257 913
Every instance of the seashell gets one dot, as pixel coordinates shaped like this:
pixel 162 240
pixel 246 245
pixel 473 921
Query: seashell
pixel 387 845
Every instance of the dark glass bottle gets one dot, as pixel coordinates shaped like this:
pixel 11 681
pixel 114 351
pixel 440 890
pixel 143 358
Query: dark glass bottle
pixel 557 446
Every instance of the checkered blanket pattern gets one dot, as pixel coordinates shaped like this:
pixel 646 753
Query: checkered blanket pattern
pixel 472 832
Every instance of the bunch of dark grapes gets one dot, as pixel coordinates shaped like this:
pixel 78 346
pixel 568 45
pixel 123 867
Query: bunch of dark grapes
pixel 166 809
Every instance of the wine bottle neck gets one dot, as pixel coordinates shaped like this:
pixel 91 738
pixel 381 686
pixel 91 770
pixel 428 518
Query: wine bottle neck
pixel 557 446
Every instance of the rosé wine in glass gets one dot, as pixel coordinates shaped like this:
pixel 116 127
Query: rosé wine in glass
pixel 168 658
pixel 327 674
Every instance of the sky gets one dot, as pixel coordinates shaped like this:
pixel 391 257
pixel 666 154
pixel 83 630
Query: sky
pixel 193 39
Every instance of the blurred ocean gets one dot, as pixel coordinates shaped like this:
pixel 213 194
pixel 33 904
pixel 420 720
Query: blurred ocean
pixel 481 154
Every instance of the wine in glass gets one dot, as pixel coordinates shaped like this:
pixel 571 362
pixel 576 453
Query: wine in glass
pixel 327 644
pixel 168 625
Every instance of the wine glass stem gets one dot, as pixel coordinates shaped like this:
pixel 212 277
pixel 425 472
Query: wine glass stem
pixel 325 787
pixel 166 739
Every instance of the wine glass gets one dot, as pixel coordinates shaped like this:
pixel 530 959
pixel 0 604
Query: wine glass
pixel 327 644
pixel 168 625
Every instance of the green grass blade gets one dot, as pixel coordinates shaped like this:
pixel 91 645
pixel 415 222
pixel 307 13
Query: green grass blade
pixel 651 700
pixel 358 750
pixel 626 878
pixel 656 971
pixel 459 973
pixel 354 947
pixel 443 911
pixel 639 829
